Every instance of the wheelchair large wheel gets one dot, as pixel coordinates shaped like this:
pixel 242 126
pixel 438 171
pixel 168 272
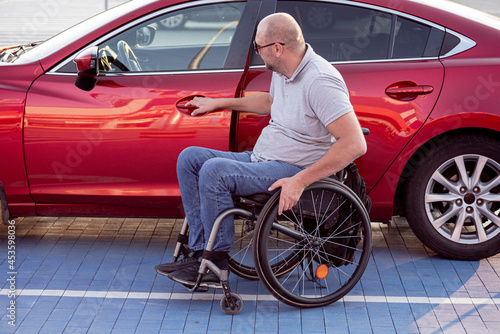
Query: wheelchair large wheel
pixel 241 253
pixel 327 232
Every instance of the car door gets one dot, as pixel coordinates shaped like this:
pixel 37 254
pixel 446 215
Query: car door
pixel 389 62
pixel 113 150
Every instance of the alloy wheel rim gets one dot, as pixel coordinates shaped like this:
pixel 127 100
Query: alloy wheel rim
pixel 462 199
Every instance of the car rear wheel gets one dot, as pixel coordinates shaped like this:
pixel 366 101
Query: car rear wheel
pixel 453 198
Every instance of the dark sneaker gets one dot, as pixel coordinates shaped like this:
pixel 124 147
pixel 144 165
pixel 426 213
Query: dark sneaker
pixel 167 268
pixel 189 275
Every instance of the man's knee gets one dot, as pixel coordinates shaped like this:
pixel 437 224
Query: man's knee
pixel 214 167
pixel 214 173
pixel 189 157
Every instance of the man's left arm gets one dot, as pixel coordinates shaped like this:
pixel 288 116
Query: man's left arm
pixel 349 145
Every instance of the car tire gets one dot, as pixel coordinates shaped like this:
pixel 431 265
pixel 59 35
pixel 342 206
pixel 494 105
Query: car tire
pixel 456 219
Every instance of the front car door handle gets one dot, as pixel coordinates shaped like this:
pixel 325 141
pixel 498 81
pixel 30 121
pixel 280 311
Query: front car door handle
pixel 186 110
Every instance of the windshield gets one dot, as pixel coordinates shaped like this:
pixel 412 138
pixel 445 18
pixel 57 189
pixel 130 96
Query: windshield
pixel 10 54
pixel 64 38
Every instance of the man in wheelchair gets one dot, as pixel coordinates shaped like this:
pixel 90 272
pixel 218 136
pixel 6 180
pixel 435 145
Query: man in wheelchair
pixel 313 133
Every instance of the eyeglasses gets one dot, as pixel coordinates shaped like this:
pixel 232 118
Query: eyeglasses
pixel 257 47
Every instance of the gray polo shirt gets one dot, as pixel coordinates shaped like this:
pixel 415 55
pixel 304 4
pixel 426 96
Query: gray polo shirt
pixel 303 106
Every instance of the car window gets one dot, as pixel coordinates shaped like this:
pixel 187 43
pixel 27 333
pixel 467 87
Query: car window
pixel 188 39
pixel 410 39
pixel 340 32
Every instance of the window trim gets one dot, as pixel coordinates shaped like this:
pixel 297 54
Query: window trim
pixel 465 44
pixel 136 22
pixel 149 73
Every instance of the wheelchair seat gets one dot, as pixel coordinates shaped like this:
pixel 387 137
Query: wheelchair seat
pixel 259 200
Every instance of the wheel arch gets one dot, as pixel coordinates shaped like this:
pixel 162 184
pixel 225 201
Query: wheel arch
pixel 415 160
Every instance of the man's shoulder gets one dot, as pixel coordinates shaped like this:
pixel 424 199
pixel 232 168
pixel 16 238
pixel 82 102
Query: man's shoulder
pixel 319 66
pixel 320 72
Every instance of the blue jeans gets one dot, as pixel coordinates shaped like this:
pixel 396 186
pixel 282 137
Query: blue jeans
pixel 207 178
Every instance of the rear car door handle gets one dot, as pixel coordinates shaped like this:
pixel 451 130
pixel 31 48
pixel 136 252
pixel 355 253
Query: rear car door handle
pixel 409 92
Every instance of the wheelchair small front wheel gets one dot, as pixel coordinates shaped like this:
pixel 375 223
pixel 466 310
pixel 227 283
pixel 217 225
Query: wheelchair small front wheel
pixel 327 236
pixel 224 304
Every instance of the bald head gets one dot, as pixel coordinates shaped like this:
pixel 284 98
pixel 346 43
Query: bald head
pixel 282 27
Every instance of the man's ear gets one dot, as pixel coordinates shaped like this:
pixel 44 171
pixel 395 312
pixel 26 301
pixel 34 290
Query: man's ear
pixel 278 49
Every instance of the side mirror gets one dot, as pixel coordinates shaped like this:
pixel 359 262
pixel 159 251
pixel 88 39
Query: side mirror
pixel 88 68
pixel 145 35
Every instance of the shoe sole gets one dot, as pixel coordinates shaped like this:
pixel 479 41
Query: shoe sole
pixel 202 284
pixel 161 272
pixel 187 286
pixel 199 289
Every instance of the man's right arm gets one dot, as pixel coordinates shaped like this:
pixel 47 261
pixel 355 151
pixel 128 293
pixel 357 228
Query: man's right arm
pixel 258 104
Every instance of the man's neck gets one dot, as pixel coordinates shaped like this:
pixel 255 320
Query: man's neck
pixel 294 64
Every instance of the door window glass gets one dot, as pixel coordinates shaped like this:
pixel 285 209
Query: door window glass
pixel 188 39
pixel 340 32
pixel 410 39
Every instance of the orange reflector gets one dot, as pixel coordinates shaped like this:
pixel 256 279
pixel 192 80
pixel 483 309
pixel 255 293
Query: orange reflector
pixel 322 271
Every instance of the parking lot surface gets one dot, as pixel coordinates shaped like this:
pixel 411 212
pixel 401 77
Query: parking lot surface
pixel 27 21
pixel 96 275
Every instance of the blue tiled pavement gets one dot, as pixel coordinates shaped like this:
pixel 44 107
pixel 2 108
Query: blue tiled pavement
pixel 96 275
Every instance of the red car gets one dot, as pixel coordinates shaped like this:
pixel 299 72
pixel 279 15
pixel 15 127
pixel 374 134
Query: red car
pixel 102 140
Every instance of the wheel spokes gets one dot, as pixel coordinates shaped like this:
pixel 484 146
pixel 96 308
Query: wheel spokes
pixel 441 179
pixel 490 185
pixel 476 175
pixel 441 197
pixel 437 223
pixel 462 171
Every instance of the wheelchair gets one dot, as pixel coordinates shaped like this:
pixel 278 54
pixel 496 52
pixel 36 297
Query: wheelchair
pixel 309 256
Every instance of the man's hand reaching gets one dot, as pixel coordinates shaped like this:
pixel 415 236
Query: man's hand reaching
pixel 203 105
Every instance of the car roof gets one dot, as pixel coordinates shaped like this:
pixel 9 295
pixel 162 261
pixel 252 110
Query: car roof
pixel 443 12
